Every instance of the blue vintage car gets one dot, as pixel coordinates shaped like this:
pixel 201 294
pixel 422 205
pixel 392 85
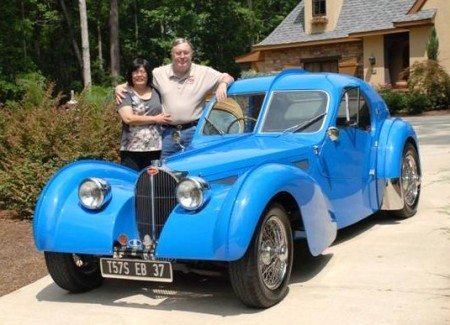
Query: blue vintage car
pixel 290 156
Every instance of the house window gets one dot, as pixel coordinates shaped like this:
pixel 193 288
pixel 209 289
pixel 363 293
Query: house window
pixel 319 8
pixel 327 64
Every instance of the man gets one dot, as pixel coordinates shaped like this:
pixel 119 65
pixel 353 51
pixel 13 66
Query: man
pixel 183 86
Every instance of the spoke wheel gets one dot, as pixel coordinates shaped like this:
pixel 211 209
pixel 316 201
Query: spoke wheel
pixel 260 278
pixel 410 182
pixel 273 255
pixel 74 272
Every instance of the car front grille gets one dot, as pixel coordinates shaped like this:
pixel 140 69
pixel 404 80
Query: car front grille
pixel 155 200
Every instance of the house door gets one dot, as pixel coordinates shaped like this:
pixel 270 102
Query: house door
pixel 397 53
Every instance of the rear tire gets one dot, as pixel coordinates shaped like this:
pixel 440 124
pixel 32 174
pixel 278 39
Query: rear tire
pixel 261 277
pixel 74 272
pixel 410 182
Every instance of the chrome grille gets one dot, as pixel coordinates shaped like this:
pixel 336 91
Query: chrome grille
pixel 155 200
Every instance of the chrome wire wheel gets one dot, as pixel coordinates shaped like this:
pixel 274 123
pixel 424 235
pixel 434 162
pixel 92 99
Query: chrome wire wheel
pixel 274 253
pixel 261 277
pixel 410 179
pixel 410 182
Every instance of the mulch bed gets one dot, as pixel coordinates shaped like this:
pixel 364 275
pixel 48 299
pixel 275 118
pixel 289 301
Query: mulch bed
pixel 22 264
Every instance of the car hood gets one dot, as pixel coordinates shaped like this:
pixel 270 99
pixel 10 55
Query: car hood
pixel 231 156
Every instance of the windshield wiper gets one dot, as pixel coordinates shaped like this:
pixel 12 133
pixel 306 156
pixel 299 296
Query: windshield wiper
pixel 303 125
pixel 214 126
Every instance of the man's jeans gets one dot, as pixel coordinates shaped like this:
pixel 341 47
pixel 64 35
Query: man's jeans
pixel 169 147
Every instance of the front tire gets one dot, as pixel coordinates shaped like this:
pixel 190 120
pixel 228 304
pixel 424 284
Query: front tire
pixel 74 272
pixel 260 278
pixel 410 182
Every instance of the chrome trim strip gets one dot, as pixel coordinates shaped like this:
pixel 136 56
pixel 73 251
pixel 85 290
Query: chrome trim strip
pixel 392 196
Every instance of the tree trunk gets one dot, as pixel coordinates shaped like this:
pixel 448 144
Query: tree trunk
pixel 114 40
pixel 85 44
pixel 100 46
pixel 72 38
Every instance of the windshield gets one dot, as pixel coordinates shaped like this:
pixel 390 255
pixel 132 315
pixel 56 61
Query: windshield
pixel 296 111
pixel 238 114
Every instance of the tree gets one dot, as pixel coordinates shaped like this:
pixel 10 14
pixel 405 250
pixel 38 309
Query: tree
pixel 76 48
pixel 433 45
pixel 85 44
pixel 114 40
pixel 43 36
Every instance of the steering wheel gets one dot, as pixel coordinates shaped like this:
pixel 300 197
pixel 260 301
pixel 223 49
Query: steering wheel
pixel 245 118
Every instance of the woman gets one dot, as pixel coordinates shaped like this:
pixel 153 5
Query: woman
pixel 142 117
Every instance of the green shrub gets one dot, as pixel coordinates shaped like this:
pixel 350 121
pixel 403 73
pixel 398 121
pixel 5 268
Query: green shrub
pixel 37 140
pixel 28 90
pixel 417 103
pixel 430 79
pixel 396 101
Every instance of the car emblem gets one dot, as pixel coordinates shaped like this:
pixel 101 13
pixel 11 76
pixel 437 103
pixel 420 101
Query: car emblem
pixel 152 171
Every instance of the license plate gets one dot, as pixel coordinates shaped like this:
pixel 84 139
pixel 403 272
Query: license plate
pixel 157 271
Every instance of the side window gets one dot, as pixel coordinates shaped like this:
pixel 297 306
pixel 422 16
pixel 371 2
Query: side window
pixel 237 115
pixel 354 110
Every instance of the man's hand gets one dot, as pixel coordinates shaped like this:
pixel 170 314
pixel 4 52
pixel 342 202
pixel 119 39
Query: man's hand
pixel 120 92
pixel 221 92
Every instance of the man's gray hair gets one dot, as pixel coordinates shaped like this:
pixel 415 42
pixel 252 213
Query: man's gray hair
pixel 181 40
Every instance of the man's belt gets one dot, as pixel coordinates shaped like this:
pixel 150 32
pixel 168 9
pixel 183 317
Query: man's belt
pixel 185 126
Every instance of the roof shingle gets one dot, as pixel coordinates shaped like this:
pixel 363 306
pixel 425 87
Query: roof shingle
pixel 356 16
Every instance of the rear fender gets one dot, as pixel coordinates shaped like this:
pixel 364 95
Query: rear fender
pixel 395 133
pixel 393 137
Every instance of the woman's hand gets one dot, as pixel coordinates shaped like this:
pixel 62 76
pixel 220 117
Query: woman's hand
pixel 162 119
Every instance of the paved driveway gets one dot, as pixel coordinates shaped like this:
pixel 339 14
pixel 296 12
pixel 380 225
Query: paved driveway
pixel 380 271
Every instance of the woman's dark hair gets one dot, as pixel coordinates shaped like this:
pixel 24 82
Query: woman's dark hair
pixel 136 65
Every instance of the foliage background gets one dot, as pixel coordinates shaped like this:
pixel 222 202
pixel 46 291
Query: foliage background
pixel 40 64
pixel 40 43
pixel 38 36
pixel 39 138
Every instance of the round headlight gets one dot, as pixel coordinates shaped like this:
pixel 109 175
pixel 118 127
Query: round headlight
pixel 94 193
pixel 192 193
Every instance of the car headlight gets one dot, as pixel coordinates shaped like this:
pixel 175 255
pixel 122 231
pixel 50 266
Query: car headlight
pixel 94 193
pixel 192 193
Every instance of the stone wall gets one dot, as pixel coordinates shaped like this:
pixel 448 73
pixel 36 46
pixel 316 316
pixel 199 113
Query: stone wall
pixel 276 60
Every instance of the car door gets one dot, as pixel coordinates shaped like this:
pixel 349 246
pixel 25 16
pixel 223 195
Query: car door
pixel 347 160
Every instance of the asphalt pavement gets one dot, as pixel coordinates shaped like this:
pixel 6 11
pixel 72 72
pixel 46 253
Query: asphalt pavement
pixel 380 271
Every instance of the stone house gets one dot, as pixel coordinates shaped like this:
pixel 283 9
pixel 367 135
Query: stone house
pixel 374 40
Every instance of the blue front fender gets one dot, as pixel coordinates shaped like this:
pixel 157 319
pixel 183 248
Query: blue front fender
pixel 223 229
pixel 60 224
pixel 260 187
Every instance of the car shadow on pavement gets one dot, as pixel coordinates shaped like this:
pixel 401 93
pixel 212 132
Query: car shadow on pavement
pixel 306 266
pixel 193 293
pixel 376 219
pixel 196 293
